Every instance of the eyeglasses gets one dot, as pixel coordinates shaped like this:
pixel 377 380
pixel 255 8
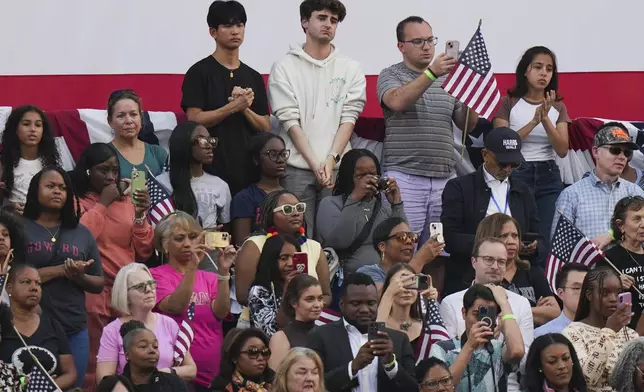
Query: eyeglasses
pixel 489 261
pixel 274 155
pixel 289 209
pixel 206 141
pixel 420 42
pixel 143 286
pixel 405 237
pixel 123 92
pixel 433 384
pixel 628 200
pixel 614 150
pixel 254 352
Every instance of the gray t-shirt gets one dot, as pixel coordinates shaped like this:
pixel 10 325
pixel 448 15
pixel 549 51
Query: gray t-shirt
pixel 62 298
pixel 419 140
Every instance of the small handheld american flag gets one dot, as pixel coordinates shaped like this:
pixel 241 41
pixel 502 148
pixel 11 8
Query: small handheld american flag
pixel 40 381
pixel 185 337
pixel 161 203
pixel 433 331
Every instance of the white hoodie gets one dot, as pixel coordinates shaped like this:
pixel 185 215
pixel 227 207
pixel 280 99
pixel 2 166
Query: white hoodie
pixel 317 95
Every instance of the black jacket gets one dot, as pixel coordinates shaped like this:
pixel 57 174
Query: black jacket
pixel 331 342
pixel 465 203
pixel 160 382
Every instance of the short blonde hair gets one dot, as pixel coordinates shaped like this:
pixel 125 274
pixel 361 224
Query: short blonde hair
pixel 119 290
pixel 295 354
pixel 167 224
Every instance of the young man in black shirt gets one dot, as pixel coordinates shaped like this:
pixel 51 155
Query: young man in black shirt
pixel 227 96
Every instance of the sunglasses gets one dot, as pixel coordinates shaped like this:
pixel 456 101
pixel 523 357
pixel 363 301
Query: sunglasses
pixel 143 286
pixel 205 141
pixel 289 209
pixel 405 237
pixel 274 155
pixel 255 352
pixel 614 150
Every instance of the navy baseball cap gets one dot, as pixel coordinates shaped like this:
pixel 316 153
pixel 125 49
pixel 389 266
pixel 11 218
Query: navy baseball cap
pixel 505 143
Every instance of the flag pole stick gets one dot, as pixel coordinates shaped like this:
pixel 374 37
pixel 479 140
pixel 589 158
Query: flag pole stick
pixel 601 254
pixel 6 263
pixel 33 357
pixel 467 119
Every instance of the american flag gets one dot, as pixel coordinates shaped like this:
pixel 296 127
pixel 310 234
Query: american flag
pixel 327 316
pixel 40 381
pixel 185 337
pixel 569 245
pixel 472 81
pixel 161 203
pixel 433 330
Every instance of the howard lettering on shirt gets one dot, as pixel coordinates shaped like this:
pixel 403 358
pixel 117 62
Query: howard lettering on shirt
pixel 201 298
pixel 47 246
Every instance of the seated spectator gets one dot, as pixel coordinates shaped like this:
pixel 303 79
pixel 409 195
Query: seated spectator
pixel 125 117
pixel 269 162
pixel 119 225
pixel 180 283
pixel 552 363
pixel 115 383
pixel 589 202
pixel 28 145
pixel 405 309
pixel 396 243
pixel 633 174
pixel 350 359
pixel 301 370
pixel 10 377
pixel 142 353
pixel 520 277
pixel 134 296
pixel 303 303
pixel 44 335
pixel 346 221
pixel 66 256
pixel 568 281
pixel 202 195
pixel 470 198
pixel 477 344
pixel 12 238
pixel 629 368
pixel 600 329
pixel 434 375
pixel 244 363
pixel 281 213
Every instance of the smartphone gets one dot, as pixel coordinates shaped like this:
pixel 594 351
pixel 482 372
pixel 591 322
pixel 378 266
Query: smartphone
pixel 420 282
pixel 487 315
pixel 373 329
pixel 625 298
pixel 138 182
pixel 452 49
pixel 529 238
pixel 382 183
pixel 301 262
pixel 436 229
pixel 217 239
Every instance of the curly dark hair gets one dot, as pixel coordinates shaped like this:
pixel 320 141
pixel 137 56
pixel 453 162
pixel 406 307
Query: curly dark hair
pixel 69 217
pixel 47 151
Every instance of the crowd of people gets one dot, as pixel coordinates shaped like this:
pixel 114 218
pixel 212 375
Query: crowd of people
pixel 324 275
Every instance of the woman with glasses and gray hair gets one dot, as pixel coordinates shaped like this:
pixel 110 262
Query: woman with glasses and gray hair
pixel 628 375
pixel 134 296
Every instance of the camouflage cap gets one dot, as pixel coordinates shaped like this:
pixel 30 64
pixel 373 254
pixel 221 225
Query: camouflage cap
pixel 614 135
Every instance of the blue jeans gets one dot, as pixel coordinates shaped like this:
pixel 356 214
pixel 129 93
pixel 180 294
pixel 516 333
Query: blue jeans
pixel 79 346
pixel 544 180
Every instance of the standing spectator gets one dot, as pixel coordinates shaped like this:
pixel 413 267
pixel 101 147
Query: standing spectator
pixel 44 335
pixel 12 236
pixel 66 256
pixel 628 375
pixel 227 96
pixel 589 203
pixel 419 141
pixel 303 302
pixel 27 146
pixel 346 221
pixel 301 370
pixel 535 110
pixel 122 232
pixel 204 196
pixel 552 363
pixel 600 329
pixel 180 282
pixel 317 94
pixel 269 156
pixel 568 282
pixel 125 116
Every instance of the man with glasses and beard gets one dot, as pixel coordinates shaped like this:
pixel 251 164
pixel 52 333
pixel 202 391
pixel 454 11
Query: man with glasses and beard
pixel 489 190
pixel 589 203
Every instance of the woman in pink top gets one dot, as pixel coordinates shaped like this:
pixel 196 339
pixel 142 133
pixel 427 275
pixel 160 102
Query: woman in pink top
pixel 180 283
pixel 134 294
pixel 122 233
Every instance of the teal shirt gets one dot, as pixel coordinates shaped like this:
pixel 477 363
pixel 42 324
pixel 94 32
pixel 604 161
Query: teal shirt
pixel 154 158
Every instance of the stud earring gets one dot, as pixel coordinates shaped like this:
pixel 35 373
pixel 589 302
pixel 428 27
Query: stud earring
pixel 87 172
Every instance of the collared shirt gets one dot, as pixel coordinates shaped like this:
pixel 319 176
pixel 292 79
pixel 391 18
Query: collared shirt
pixel 499 196
pixel 589 203
pixel 553 326
pixel 367 376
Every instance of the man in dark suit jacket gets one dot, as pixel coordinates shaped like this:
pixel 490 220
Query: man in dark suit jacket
pixel 351 361
pixel 470 198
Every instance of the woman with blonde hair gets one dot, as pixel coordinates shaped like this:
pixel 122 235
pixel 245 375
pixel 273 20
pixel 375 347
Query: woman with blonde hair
pixel 134 296
pixel 301 370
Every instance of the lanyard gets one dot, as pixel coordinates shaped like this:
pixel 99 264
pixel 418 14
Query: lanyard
pixel 507 200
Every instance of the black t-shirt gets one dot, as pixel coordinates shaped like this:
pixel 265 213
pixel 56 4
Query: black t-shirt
pixel 48 343
pixel 622 259
pixel 531 284
pixel 207 86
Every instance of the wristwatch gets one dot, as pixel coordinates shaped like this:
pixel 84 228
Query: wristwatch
pixel 335 155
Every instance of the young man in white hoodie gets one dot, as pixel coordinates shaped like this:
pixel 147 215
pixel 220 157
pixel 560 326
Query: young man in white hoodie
pixel 317 94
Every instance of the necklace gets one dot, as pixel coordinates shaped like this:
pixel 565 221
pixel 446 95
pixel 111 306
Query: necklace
pixel 53 236
pixel 405 326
